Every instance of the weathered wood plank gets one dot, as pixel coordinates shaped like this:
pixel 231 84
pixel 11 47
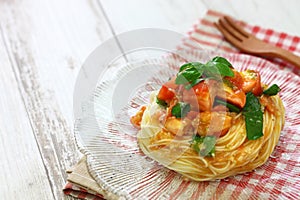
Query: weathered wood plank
pixel 175 15
pixel 22 174
pixel 47 41
pixel 179 15
pixel 279 15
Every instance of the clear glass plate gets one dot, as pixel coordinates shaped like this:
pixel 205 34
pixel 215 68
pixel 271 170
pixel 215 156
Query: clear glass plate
pixel 105 135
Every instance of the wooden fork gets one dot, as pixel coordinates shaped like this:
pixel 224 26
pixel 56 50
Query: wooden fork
pixel 248 43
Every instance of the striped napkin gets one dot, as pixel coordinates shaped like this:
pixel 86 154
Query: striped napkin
pixel 205 35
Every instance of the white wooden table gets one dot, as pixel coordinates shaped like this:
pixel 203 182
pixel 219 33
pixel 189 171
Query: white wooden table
pixel 42 47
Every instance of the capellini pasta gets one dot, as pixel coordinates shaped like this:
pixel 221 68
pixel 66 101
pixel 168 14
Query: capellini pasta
pixel 211 122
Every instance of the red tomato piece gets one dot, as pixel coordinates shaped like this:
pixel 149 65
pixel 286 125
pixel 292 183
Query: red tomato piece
pixel 237 98
pixel 237 81
pixel 200 97
pixel 165 93
pixel 252 82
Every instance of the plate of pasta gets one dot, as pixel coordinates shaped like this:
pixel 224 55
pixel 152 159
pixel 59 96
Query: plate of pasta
pixel 193 125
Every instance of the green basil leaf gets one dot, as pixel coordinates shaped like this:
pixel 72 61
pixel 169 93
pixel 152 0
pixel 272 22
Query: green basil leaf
pixel 273 90
pixel 252 103
pixel 161 102
pixel 222 60
pixel 205 146
pixel 196 141
pixel 188 75
pixel 196 65
pixel 208 146
pixel 224 70
pixel 222 65
pixel 181 109
pixel 211 70
pixel 197 138
pixel 219 68
pixel 253 117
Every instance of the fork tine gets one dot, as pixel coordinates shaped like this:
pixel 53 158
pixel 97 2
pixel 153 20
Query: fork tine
pixel 227 35
pixel 235 26
pixel 231 30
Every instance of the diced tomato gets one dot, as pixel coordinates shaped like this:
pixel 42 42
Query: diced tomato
pixel 174 125
pixel 214 123
pixel 252 82
pixel 268 103
pixel 167 91
pixel 233 87
pixel 200 97
pixel 237 81
pixel 236 97
pixel 257 90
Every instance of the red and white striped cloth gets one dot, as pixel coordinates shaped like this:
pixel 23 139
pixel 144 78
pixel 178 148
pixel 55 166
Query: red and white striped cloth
pixel 81 193
pixel 206 36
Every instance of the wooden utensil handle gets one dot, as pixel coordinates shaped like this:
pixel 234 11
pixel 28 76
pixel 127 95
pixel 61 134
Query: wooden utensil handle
pixel 287 56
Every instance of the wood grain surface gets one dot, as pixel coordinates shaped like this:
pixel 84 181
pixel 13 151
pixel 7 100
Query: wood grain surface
pixel 42 47
pixel 43 44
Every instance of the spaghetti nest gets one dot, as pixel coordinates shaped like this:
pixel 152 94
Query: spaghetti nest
pixel 234 153
pixel 211 121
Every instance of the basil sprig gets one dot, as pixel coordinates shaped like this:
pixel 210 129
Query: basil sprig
pixel 253 113
pixel 161 102
pixel 181 109
pixel 219 65
pixel 273 90
pixel 205 146
pixel 253 117
pixel 192 73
